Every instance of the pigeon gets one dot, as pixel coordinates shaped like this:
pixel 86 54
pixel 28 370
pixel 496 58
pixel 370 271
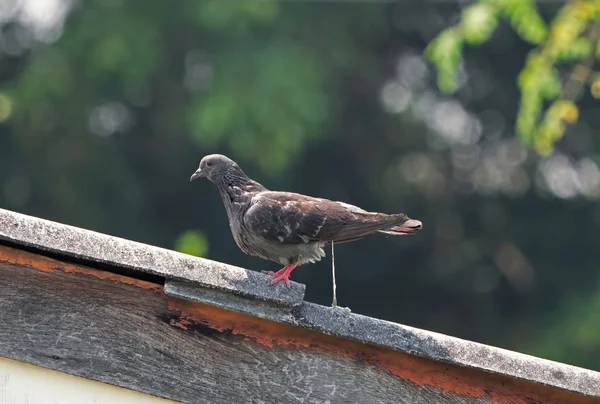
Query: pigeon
pixel 287 227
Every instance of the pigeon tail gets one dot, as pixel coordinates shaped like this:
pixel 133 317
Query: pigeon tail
pixel 411 226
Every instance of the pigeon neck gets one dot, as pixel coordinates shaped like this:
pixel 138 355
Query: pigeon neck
pixel 237 188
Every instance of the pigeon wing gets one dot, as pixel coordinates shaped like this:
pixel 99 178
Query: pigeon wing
pixel 289 218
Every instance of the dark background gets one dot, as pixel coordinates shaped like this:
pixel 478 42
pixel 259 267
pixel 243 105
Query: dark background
pixel 107 106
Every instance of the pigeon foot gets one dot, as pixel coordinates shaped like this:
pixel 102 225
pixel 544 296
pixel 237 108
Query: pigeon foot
pixel 275 274
pixel 282 275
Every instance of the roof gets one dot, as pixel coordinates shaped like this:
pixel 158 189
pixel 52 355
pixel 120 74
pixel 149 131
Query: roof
pixel 202 283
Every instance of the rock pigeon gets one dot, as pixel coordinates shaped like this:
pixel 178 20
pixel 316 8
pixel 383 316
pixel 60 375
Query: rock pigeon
pixel 290 228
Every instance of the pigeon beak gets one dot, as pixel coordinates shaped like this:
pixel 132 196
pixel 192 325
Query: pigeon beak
pixel 197 174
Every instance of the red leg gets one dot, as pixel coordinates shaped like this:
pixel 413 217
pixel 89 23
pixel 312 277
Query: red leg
pixel 275 274
pixel 282 275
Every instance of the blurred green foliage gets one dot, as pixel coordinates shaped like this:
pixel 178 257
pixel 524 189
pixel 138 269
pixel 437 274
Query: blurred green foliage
pixel 577 331
pixel 570 38
pixel 192 242
pixel 271 100
pixel 103 127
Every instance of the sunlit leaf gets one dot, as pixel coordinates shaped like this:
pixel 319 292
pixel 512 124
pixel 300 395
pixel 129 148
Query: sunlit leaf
pixel 525 19
pixel 445 51
pixel 478 22
pixel 578 49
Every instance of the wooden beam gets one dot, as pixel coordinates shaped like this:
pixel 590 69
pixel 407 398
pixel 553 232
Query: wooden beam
pixel 127 332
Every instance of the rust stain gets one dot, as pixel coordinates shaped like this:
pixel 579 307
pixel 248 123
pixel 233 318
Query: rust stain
pixel 181 323
pixel 49 265
pixel 421 371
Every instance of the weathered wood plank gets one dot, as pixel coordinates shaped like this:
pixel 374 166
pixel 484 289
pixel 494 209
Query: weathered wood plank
pixel 127 332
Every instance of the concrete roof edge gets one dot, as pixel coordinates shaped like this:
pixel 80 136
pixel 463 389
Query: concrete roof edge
pixel 184 274
pixel 100 248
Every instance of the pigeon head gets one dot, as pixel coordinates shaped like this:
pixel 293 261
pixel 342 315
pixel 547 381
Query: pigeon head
pixel 215 167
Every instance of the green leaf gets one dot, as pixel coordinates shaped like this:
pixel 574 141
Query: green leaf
pixel 525 19
pixel 578 49
pixel 550 84
pixel 478 22
pixel 528 115
pixel 444 51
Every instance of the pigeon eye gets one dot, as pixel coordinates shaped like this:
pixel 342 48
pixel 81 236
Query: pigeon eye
pixel 209 163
